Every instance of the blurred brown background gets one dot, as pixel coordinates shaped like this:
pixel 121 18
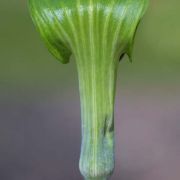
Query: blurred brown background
pixel 39 102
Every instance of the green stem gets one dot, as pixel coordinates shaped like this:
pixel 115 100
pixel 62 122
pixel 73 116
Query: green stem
pixel 97 81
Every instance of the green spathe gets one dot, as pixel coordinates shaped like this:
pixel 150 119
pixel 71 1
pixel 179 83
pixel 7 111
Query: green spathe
pixel 96 33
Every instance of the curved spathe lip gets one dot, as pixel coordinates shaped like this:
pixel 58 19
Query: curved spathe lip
pixel 60 24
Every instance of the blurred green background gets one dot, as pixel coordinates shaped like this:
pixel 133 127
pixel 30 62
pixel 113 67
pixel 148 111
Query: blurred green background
pixel 39 101
pixel 25 61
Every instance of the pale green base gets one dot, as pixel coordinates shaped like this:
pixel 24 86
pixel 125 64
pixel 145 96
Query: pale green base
pixel 100 178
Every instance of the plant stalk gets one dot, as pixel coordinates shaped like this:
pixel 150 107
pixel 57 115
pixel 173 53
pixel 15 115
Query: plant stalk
pixel 97 70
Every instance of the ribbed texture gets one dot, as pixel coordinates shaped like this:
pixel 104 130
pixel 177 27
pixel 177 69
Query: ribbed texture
pixel 97 33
